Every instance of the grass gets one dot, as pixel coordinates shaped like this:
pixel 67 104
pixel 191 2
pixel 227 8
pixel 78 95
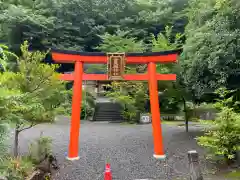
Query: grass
pixel 192 122
pixel 235 174
pixel 177 123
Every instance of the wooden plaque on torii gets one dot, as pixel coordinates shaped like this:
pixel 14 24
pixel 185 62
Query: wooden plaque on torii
pixel 116 66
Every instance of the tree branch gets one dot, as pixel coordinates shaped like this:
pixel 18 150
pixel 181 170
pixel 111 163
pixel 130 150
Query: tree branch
pixel 23 129
pixel 39 84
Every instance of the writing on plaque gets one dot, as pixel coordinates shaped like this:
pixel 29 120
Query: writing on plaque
pixel 116 66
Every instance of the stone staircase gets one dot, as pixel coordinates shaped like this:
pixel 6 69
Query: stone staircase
pixel 107 111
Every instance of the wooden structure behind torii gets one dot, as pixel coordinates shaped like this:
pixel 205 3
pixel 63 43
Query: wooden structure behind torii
pixel 79 58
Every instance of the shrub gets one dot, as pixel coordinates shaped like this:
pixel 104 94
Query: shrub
pixel 131 96
pixel 39 149
pixel 15 168
pixel 224 138
pixel 129 116
pixel 141 98
pixel 86 110
pixel 89 99
pixel 129 109
pixel 3 138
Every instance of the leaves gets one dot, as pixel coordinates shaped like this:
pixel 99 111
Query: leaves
pixel 225 137
pixel 119 42
pixel 32 94
pixel 5 56
pixel 210 56
pixel 76 24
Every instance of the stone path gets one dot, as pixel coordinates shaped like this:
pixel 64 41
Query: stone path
pixel 128 148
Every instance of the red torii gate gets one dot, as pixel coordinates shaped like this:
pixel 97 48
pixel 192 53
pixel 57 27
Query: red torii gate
pixel 79 58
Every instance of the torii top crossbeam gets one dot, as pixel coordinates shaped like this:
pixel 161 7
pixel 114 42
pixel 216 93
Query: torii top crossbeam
pixel 116 64
pixel 66 56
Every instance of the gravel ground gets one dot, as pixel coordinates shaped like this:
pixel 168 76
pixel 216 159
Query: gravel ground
pixel 128 148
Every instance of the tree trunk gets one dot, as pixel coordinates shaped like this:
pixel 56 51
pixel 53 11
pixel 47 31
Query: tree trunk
pixel 15 152
pixel 185 113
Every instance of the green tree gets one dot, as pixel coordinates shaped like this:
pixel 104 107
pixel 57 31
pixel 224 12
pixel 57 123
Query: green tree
pixel 175 92
pixel 33 94
pixel 27 20
pixel 211 52
pixel 76 24
pixel 224 137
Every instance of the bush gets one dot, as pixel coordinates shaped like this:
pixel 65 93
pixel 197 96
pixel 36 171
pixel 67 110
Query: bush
pixel 131 96
pixel 15 168
pixel 141 98
pixel 39 149
pixel 224 139
pixel 128 105
pixel 3 138
pixel 21 167
pixel 129 116
pixel 169 105
pixel 86 110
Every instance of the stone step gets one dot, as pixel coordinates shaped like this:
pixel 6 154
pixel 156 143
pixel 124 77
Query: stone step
pixel 107 111
pixel 107 114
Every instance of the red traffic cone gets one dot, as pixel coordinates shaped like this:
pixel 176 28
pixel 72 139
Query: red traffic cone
pixel 107 173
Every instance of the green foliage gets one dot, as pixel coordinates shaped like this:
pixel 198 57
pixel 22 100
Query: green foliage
pixel 166 41
pixel 27 20
pixel 86 110
pixel 119 42
pixel 15 168
pixel 3 139
pixel 33 94
pixel 132 96
pixel 130 116
pixel 211 53
pixel 225 137
pixel 5 56
pixel 170 104
pixel 76 24
pixel 20 168
pixel 226 100
pixel 39 149
pixel 38 90
pixel 141 98
pixel 172 93
pixel 89 98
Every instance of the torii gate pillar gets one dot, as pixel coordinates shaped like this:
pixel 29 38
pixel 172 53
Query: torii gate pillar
pixel 76 112
pixel 155 111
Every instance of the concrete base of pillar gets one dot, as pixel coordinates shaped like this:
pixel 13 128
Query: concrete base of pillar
pixel 73 159
pixel 160 157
